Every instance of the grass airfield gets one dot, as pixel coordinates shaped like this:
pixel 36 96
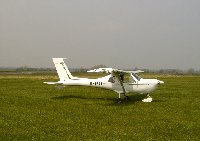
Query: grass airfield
pixel 31 110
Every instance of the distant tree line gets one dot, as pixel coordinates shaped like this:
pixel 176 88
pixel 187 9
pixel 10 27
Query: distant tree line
pixel 177 71
pixel 190 71
pixel 24 69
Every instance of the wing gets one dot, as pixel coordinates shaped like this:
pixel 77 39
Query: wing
pixel 111 70
pixel 104 70
pixel 122 71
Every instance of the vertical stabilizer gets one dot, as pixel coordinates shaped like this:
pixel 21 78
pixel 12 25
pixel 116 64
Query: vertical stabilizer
pixel 62 70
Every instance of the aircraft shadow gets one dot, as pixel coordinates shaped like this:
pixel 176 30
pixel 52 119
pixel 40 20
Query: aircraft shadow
pixel 111 101
pixel 78 97
pixel 132 100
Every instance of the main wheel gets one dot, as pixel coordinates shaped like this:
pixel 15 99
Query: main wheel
pixel 126 98
pixel 119 100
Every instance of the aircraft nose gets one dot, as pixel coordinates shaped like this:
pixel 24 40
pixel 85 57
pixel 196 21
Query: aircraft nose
pixel 160 82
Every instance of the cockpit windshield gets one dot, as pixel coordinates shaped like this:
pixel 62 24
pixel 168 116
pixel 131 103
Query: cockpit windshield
pixel 136 76
pixel 125 78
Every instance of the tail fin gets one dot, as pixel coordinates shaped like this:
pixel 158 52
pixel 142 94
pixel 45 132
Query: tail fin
pixel 62 70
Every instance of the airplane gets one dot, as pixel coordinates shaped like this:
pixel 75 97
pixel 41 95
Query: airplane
pixel 120 81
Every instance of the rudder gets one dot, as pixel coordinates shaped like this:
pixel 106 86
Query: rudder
pixel 62 70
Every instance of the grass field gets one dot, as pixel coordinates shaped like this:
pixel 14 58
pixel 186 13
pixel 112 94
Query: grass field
pixel 31 110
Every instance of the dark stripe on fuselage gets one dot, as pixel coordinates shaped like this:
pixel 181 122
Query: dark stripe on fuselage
pixel 138 84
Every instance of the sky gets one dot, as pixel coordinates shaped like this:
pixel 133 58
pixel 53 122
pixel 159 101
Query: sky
pixel 151 34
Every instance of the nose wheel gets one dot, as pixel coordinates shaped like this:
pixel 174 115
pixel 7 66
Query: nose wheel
pixel 148 99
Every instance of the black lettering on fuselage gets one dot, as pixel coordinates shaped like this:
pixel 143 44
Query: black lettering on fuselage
pixel 96 83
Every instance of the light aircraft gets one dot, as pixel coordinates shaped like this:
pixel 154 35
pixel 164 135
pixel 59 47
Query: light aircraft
pixel 117 80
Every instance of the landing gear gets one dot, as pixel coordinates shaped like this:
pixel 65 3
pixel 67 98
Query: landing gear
pixel 119 100
pixel 126 98
pixel 148 99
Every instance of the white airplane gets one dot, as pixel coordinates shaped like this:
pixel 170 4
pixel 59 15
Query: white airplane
pixel 119 81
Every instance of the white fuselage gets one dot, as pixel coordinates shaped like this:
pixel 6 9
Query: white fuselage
pixel 143 86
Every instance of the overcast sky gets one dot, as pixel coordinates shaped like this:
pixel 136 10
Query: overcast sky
pixel 152 34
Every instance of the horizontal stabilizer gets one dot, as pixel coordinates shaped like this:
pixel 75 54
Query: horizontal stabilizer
pixel 52 83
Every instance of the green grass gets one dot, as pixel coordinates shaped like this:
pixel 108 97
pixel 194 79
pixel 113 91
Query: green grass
pixel 31 110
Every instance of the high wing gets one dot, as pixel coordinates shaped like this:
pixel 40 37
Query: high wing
pixel 122 71
pixel 111 70
pixel 104 70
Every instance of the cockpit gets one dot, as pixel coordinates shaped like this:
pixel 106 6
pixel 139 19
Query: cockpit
pixel 125 78
pixel 136 76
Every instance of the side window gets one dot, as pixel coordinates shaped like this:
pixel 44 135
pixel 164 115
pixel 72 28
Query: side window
pixel 111 79
pixel 131 80
pixel 128 78
pixel 121 77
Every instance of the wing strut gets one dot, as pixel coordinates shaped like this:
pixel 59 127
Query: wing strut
pixel 121 80
pixel 121 83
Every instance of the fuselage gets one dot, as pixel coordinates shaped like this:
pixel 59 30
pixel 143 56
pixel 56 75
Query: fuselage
pixel 143 86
